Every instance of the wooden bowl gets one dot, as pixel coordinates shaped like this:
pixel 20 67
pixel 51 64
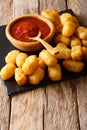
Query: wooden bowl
pixel 29 45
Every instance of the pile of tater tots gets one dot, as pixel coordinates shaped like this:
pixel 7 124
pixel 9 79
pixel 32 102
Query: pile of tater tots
pixel 71 43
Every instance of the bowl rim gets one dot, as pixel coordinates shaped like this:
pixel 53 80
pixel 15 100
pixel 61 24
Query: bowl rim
pixel 44 19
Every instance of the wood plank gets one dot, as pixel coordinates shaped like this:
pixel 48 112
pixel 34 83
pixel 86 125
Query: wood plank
pixel 53 107
pixel 27 111
pixel 60 112
pixel 21 7
pixel 52 4
pixel 4 108
pixel 82 102
pixel 80 8
pixel 5 11
pixel 5 16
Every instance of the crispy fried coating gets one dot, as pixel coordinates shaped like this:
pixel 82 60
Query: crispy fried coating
pixel 68 17
pixel 11 56
pixel 30 65
pixel 20 59
pixel 64 51
pixel 55 73
pixel 73 66
pixel 52 15
pixel 84 43
pixel 41 63
pixel 47 58
pixel 7 71
pixel 36 77
pixel 68 29
pixel 76 53
pixel 20 76
pixel 84 49
pixel 81 32
pixel 75 41
pixel 62 39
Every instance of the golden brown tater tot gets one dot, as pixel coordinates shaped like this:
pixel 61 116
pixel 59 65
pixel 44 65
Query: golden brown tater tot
pixel 73 66
pixel 7 71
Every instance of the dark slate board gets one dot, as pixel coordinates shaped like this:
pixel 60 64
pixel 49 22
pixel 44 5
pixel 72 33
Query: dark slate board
pixel 11 86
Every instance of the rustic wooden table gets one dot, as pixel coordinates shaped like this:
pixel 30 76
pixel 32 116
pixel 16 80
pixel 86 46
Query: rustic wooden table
pixel 61 106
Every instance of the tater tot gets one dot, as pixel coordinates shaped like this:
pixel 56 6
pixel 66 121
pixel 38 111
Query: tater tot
pixel 60 38
pixel 64 51
pixel 47 58
pixel 84 43
pixel 76 53
pixel 58 28
pixel 75 41
pixel 75 20
pixel 7 71
pixel 20 77
pixel 68 17
pixel 65 17
pixel 37 76
pixel 55 73
pixel 73 66
pixel 68 29
pixel 81 32
pixel 52 15
pixel 20 59
pixel 30 65
pixel 41 63
pixel 84 49
pixel 11 56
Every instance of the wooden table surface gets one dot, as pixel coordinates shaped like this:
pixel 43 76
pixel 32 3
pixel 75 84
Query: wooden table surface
pixel 60 106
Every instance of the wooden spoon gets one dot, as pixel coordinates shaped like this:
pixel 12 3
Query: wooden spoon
pixel 45 44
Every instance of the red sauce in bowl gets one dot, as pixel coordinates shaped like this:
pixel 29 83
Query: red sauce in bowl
pixel 29 27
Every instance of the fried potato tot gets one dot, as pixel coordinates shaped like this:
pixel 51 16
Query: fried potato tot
pixel 68 29
pixel 75 41
pixel 52 15
pixel 7 71
pixel 84 49
pixel 36 77
pixel 41 63
pixel 30 65
pixel 81 32
pixel 75 20
pixel 65 17
pixel 55 73
pixel 47 58
pixel 58 28
pixel 62 39
pixel 73 66
pixel 11 56
pixel 76 53
pixel 20 77
pixel 64 51
pixel 20 59
pixel 84 43
pixel 68 17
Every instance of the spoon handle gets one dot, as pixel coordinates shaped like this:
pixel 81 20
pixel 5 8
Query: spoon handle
pixel 46 45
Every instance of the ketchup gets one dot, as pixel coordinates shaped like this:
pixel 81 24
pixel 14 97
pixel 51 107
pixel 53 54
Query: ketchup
pixel 25 28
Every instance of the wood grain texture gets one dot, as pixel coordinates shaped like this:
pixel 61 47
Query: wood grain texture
pixel 82 102
pixel 27 111
pixel 21 7
pixel 4 108
pixel 52 4
pixel 50 108
pixel 61 107
pixel 80 8
pixel 5 11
